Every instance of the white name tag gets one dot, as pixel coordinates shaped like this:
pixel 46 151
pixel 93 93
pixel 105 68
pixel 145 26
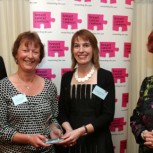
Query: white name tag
pixel 100 92
pixel 19 99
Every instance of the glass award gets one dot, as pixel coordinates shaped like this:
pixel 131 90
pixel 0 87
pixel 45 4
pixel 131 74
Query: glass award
pixel 55 133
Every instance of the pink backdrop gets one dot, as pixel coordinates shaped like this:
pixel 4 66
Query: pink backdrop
pixel 111 22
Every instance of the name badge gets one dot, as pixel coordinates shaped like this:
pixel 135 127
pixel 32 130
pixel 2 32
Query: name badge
pixel 100 92
pixel 19 99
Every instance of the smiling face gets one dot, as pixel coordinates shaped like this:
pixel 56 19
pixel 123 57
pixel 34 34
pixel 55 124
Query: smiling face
pixel 28 50
pixel 28 56
pixel 82 51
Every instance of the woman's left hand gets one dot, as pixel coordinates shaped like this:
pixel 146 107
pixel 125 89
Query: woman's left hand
pixel 70 138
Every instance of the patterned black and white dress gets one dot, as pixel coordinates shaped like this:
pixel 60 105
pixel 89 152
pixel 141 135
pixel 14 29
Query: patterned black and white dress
pixel 28 117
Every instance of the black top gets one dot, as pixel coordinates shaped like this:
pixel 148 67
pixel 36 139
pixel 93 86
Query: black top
pixel 79 106
pixel 2 69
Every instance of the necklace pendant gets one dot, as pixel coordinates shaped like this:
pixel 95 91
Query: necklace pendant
pixel 28 87
pixel 26 84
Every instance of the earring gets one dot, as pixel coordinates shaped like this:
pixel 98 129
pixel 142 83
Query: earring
pixel 16 60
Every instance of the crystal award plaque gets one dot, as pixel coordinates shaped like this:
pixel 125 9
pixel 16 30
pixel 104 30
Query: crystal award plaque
pixel 55 133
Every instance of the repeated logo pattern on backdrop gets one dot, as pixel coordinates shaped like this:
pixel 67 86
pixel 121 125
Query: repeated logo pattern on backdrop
pixel 111 22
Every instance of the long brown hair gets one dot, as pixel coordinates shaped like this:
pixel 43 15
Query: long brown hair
pixel 87 36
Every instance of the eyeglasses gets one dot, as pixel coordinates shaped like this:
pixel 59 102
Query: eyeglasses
pixel 84 45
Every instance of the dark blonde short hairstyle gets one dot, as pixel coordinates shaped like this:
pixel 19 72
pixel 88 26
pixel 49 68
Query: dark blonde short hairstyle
pixel 86 35
pixel 28 37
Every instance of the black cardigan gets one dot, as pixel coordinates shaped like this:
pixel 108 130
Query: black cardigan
pixel 104 80
pixel 2 69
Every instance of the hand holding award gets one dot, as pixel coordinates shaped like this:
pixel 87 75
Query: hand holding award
pixel 55 133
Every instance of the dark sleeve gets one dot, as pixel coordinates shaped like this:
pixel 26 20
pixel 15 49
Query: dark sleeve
pixel 64 98
pixel 136 118
pixel 2 69
pixel 106 81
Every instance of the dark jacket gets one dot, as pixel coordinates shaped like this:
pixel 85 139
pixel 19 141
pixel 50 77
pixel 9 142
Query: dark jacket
pixel 2 69
pixel 142 117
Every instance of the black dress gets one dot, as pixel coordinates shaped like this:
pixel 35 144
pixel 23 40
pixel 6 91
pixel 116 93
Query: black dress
pixel 79 106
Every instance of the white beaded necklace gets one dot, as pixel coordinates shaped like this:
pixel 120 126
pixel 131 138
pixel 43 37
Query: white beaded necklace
pixel 89 75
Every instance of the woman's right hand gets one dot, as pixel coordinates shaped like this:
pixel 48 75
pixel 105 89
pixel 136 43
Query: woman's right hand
pixel 37 140
pixel 148 137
